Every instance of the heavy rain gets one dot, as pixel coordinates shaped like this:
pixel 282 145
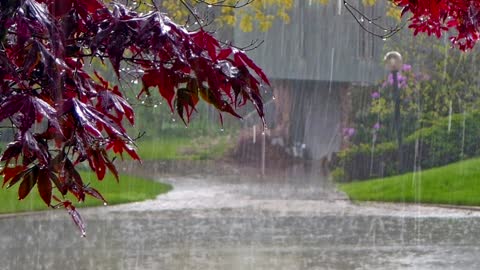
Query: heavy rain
pixel 366 157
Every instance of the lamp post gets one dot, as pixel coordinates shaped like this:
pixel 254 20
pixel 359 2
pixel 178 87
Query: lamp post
pixel 393 63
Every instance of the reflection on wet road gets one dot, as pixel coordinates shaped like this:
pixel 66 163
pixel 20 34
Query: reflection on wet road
pixel 231 218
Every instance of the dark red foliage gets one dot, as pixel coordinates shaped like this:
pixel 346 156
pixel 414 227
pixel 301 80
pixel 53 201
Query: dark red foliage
pixel 64 115
pixel 434 17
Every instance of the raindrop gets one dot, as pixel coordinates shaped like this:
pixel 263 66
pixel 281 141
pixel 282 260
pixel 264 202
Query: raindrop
pixel 222 130
pixel 362 19
pixel 84 234
pixel 209 6
pixel 263 133
pixel 449 117
pixel 105 204
pixel 143 101
pixel 384 39
pixel 155 106
pixel 173 119
pixel 273 98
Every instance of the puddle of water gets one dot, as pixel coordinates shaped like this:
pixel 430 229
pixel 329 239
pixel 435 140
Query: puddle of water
pixel 235 219
pixel 238 239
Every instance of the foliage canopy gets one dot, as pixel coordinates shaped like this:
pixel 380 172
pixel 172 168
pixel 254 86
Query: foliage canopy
pixel 62 114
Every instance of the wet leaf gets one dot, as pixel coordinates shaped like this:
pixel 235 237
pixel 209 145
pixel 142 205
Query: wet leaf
pixel 44 186
pixel 76 218
pixel 94 193
pixel 12 173
pixel 13 150
pixel 241 58
pixel 161 79
pixel 29 181
pixel 59 184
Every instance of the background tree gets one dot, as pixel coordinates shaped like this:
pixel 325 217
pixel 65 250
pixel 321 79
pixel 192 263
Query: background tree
pixel 430 17
pixel 442 107
pixel 439 107
pixel 246 15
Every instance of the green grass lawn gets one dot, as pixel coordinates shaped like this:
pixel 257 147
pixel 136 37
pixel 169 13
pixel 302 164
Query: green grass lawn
pixel 129 189
pixel 456 183
pixel 183 148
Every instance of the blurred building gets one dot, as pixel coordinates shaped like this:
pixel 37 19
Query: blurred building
pixel 313 62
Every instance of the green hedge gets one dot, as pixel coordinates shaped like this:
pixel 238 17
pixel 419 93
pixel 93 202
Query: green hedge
pixel 432 146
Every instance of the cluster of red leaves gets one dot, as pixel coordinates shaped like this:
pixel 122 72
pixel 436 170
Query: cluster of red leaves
pixel 63 115
pixel 437 16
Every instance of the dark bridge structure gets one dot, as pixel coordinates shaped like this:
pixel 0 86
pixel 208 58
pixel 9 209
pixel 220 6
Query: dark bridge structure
pixel 314 63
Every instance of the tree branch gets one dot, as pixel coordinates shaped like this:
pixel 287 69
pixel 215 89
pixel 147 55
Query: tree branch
pixel 361 18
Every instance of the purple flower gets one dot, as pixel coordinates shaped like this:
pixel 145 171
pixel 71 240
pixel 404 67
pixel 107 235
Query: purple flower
pixel 376 126
pixel 406 68
pixel 375 95
pixel 348 132
pixel 401 80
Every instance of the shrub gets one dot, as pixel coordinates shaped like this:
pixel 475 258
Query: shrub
pixel 441 143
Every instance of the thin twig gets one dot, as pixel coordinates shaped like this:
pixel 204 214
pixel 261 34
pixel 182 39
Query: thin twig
pixel 360 18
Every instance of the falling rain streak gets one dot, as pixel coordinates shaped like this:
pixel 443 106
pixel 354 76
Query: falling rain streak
pixel 362 161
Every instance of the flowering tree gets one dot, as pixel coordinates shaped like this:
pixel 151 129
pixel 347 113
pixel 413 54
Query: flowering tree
pixel 63 115
pixel 382 102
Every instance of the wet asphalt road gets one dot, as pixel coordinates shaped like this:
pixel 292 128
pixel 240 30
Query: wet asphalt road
pixel 231 218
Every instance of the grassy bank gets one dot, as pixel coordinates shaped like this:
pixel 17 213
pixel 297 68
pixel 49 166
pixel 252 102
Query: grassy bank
pixel 456 183
pixel 183 148
pixel 130 189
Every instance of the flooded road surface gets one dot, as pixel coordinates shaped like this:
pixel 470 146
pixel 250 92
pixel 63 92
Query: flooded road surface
pixel 231 218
